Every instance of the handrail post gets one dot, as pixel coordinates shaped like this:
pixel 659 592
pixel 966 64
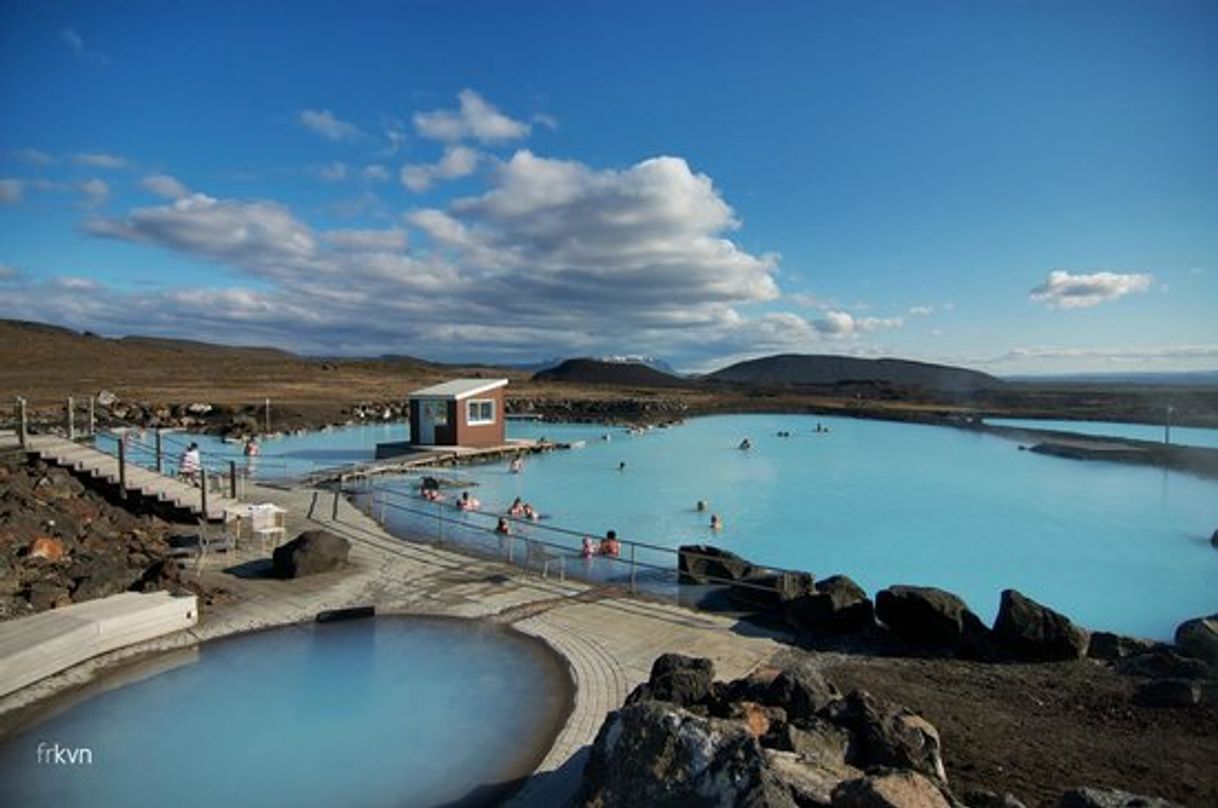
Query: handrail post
pixel 203 490
pixel 122 468
pixel 232 479
pixel 23 429
pixel 342 483
pixel 268 415
pixel 160 455
pixel 92 417
pixel 71 419
pixel 632 549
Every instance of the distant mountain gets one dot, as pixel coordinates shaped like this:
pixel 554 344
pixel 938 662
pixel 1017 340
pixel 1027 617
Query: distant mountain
pixel 597 371
pixel 1196 378
pixel 638 359
pixel 807 369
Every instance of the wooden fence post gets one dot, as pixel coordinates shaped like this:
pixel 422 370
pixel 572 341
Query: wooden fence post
pixel 203 490
pixel 71 419
pixel 232 478
pixel 23 428
pixel 122 468
pixel 92 418
pixel 160 455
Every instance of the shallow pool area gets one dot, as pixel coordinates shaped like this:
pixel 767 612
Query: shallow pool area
pixel 1115 547
pixel 1179 435
pixel 379 712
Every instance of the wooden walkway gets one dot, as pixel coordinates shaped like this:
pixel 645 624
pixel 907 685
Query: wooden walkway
pixel 139 481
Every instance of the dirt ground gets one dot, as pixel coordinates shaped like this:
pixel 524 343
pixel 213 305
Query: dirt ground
pixel 1038 730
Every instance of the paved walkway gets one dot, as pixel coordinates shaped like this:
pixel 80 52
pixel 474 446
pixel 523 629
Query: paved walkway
pixel 608 638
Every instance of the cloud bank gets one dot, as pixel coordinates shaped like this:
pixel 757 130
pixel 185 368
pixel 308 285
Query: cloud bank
pixel 1061 290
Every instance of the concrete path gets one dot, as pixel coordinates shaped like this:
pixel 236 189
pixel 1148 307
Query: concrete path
pixel 609 638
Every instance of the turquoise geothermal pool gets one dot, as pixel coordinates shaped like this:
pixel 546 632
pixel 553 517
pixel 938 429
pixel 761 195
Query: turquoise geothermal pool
pixel 381 712
pixel 1116 547
pixel 1180 435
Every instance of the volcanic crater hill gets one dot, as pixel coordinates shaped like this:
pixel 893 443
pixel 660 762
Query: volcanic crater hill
pixel 814 370
pixel 622 374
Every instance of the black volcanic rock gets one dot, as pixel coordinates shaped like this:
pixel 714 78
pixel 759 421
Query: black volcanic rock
pixel 810 369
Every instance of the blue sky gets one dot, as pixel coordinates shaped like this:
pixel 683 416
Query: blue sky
pixel 1016 187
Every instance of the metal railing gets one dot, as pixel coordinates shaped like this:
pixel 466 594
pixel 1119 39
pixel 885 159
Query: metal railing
pixel 639 565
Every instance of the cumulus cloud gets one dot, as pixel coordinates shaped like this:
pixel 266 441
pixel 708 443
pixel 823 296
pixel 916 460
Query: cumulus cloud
pixel 34 157
pixel 921 311
pixel 331 172
pixel 843 324
pixel 375 172
pixel 474 120
pixel 99 160
pixel 10 191
pixel 322 123
pixel 1061 290
pixel 165 185
pixel 94 191
pixel 392 240
pixel 458 161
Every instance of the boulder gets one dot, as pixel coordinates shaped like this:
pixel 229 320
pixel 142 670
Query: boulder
pixel 163 574
pixel 1162 663
pixel 106 399
pixel 653 753
pixel 44 595
pixel 837 605
pixel 769 591
pixel 925 614
pixel 1198 638
pixel 802 693
pixel 1026 630
pixel 103 577
pixel 885 735
pixel 1168 693
pixel 981 798
pixel 678 679
pixel 1109 798
pixel 706 564
pixel 1110 647
pixel 889 789
pixel 809 784
pixel 311 552
pixel 817 741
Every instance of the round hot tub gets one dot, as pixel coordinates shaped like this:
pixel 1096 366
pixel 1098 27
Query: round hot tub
pixel 392 711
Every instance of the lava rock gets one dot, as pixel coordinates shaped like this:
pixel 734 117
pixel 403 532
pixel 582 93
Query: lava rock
pixel 1198 638
pixel 44 595
pixel 312 552
pixel 928 615
pixel 1110 798
pixel 981 798
pixel 838 605
pixel 809 784
pixel 706 564
pixel 769 591
pixel 48 548
pixel 1163 663
pixel 889 789
pixel 1026 630
pixel 678 679
pixel 886 735
pixel 802 693
pixel 653 753
pixel 1168 693
pixel 1110 647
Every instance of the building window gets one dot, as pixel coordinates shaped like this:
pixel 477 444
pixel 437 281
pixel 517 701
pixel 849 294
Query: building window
pixel 480 411
pixel 436 412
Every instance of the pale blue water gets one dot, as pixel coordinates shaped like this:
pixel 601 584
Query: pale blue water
pixel 1180 435
pixel 1116 547
pixel 384 712
pixel 287 456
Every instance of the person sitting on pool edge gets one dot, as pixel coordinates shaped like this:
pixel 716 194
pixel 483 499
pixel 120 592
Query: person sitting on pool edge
pixel 610 545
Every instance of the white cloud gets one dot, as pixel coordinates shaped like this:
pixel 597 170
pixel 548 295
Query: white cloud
pixel 475 120
pixel 843 324
pixel 8 273
pixel 375 172
pixel 393 240
pixel 1115 355
pixel 458 161
pixel 548 121
pixel 331 172
pixel 10 191
pixel 76 43
pixel 165 185
pixel 99 160
pixel 95 192
pixel 1061 290
pixel 322 122
pixel 34 157
pixel 921 311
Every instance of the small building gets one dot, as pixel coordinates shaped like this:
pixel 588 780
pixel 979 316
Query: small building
pixel 461 412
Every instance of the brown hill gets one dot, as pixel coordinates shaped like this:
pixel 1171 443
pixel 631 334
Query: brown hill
pixel 825 370
pixel 622 374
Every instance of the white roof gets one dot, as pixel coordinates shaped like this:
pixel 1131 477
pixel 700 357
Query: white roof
pixel 459 388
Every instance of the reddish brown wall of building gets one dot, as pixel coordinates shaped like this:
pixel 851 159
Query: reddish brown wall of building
pixel 481 435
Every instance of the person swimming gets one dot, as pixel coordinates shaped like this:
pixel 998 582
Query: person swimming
pixel 589 547
pixel 502 528
pixel 621 466
pixel 716 523
pixel 468 503
pixel 746 444
pixel 516 466
pixel 529 512
pixel 609 545
pixel 700 506
pixel 516 508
